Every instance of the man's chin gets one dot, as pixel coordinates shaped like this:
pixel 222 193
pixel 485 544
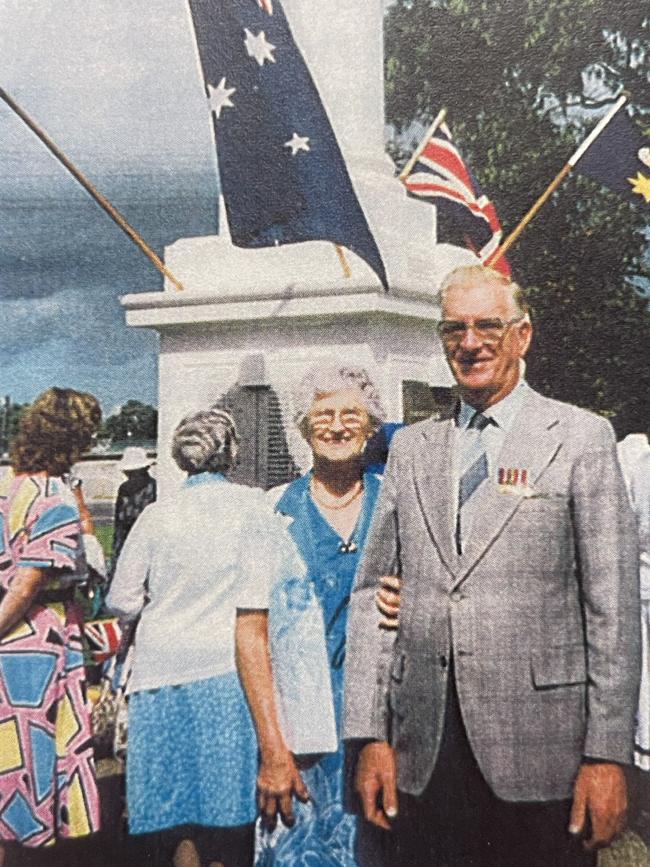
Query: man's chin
pixel 478 381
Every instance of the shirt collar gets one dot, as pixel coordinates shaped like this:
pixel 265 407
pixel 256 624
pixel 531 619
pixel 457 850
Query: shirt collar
pixel 203 479
pixel 502 413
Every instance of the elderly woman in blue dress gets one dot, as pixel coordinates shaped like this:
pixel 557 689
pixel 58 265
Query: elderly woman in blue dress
pixel 198 569
pixel 338 408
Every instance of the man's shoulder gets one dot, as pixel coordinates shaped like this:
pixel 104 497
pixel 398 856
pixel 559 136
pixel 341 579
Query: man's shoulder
pixel 578 423
pixel 411 435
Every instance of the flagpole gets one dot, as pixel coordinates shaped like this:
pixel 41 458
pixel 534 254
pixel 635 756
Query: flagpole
pixel 340 252
pixel 101 200
pixel 440 118
pixel 557 180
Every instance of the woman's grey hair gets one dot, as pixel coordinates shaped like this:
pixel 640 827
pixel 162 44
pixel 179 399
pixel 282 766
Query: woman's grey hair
pixel 206 442
pixel 329 377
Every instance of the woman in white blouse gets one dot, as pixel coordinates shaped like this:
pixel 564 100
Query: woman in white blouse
pixel 198 570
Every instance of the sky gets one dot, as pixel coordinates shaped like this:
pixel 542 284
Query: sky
pixel 115 83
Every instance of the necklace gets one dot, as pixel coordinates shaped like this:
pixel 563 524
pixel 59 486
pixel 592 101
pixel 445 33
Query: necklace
pixel 338 506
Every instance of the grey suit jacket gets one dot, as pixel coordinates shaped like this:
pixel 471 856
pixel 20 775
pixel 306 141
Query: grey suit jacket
pixel 541 612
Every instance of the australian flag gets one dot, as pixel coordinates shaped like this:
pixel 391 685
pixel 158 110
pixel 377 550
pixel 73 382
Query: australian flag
pixel 620 159
pixel 283 176
pixel 465 216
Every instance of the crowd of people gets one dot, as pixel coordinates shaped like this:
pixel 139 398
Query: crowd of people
pixel 437 667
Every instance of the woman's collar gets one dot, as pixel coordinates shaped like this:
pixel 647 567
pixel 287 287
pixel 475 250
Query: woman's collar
pixel 203 479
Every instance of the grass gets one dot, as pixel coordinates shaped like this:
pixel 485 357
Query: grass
pixel 629 851
pixel 105 537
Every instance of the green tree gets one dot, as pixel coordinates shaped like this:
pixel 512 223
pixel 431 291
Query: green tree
pixel 10 415
pixel 510 74
pixel 135 420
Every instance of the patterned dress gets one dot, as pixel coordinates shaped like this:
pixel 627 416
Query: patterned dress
pixel 324 835
pixel 47 777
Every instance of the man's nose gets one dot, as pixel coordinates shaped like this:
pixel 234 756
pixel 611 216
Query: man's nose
pixel 337 425
pixel 470 339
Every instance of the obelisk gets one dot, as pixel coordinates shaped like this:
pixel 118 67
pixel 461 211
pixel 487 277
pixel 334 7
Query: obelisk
pixel 275 310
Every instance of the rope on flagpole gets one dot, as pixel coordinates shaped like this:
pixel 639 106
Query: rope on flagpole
pixel 557 180
pixel 440 119
pixel 101 200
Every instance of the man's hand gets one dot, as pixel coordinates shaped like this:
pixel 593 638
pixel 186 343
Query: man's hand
pixel 278 781
pixel 376 783
pixel 600 795
pixel 387 600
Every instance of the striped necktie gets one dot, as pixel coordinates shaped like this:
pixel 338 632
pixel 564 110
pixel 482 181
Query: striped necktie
pixel 474 470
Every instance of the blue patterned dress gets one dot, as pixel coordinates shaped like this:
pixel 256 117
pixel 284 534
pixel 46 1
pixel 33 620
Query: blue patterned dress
pixel 324 834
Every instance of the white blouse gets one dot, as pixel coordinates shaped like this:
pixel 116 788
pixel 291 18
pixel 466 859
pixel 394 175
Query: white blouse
pixel 187 565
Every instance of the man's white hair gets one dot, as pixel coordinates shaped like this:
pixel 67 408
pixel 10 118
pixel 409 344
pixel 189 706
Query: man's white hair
pixel 481 274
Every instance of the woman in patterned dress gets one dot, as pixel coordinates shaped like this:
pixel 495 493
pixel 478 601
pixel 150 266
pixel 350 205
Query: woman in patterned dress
pixel 199 568
pixel 338 408
pixel 47 779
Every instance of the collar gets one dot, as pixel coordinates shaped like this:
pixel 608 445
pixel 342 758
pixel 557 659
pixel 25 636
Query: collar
pixel 502 413
pixel 203 479
pixel 292 500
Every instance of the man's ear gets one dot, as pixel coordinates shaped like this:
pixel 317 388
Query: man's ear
pixel 524 336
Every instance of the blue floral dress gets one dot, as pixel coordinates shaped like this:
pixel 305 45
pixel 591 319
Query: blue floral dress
pixel 324 834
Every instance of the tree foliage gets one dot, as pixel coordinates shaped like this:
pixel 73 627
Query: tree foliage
pixel 510 73
pixel 135 420
pixel 10 415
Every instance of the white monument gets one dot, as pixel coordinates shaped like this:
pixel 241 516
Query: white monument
pixel 259 317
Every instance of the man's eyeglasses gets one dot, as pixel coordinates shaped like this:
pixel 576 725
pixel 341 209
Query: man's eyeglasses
pixel 488 330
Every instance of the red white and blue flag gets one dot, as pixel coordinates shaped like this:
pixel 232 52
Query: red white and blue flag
pixel 103 637
pixel 465 215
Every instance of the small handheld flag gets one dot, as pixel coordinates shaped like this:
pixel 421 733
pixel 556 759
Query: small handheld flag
pixel 465 215
pixel 282 173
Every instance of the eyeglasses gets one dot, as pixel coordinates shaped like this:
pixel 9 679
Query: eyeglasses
pixel 488 330
pixel 352 419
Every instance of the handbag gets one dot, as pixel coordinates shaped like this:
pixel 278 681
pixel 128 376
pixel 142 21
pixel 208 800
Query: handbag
pixel 109 716
pixel 301 672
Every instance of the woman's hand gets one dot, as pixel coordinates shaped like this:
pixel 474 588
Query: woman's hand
pixel 387 599
pixel 278 780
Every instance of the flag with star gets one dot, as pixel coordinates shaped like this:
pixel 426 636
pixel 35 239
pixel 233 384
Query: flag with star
pixel 283 176
pixel 465 215
pixel 619 159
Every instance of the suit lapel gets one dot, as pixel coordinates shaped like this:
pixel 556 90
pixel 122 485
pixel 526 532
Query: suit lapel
pixel 435 488
pixel 531 444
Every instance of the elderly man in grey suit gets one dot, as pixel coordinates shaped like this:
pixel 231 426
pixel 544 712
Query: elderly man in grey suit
pixel 494 727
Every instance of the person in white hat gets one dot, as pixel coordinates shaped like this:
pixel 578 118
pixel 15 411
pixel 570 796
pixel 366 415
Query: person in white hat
pixel 133 495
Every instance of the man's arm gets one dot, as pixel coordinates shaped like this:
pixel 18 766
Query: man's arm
pixel 369 648
pixel 606 547
pixel 368 657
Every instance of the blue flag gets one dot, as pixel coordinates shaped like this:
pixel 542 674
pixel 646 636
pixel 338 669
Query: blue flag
pixel 282 173
pixel 620 160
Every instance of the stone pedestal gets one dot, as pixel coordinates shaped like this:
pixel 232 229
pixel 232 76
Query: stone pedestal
pixel 292 305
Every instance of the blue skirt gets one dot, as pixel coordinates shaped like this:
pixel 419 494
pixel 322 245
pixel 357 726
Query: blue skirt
pixel 192 756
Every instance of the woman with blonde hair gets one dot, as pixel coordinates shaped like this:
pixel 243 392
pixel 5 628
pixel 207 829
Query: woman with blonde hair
pixel 47 779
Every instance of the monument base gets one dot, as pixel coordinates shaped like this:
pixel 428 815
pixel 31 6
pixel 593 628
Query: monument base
pixel 253 350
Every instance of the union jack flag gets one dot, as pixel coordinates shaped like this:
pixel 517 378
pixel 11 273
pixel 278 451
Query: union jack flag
pixel 465 215
pixel 103 636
